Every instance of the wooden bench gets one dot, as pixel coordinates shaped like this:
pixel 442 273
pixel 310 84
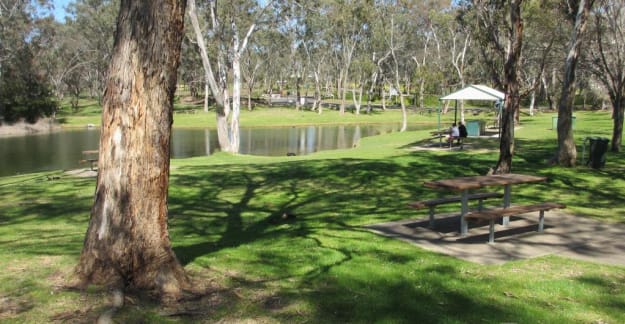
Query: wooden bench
pixel 459 141
pixel 492 215
pixel 432 203
pixel 445 135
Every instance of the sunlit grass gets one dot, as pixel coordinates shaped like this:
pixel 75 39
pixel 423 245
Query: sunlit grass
pixel 282 238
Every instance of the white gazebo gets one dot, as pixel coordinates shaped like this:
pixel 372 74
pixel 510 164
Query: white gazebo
pixel 472 92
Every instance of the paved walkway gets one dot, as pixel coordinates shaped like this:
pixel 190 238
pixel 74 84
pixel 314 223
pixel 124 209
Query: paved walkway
pixel 566 235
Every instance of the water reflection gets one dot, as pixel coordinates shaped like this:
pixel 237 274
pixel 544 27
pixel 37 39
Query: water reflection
pixel 63 150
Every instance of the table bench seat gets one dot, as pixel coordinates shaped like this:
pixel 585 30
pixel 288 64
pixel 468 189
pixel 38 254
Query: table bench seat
pixel 491 215
pixel 432 203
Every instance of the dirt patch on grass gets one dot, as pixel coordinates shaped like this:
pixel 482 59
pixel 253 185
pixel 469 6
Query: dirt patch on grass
pixel 10 307
pixel 82 173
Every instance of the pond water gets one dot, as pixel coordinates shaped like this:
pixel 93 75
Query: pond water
pixel 63 150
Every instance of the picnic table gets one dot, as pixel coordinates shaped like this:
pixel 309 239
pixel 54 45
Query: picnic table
pixel 91 157
pixel 465 184
pixel 439 134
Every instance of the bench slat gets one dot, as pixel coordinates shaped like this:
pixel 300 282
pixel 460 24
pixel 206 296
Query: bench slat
pixel 496 213
pixel 447 200
pixel 493 214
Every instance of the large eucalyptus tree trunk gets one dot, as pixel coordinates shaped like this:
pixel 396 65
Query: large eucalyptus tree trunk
pixel 127 242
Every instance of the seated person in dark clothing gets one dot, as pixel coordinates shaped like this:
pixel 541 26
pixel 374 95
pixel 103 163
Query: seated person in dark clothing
pixel 462 130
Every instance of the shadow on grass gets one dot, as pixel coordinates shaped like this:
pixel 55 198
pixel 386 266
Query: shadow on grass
pixel 285 217
pixel 294 229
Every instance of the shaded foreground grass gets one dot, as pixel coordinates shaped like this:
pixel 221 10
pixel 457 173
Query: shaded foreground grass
pixel 281 239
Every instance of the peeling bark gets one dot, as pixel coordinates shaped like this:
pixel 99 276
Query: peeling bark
pixel 127 242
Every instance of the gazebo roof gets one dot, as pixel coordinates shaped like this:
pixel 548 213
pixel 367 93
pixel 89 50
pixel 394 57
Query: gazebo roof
pixel 476 92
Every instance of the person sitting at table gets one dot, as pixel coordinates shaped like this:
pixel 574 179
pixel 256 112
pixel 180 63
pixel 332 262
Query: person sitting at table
pixel 454 133
pixel 462 130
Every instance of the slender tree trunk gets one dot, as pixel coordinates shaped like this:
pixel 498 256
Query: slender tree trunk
pixel 547 92
pixel 404 123
pixel 383 99
pixel 219 89
pixel 422 94
pixel 235 137
pixel 317 104
pixel 404 114
pixel 222 116
pixel 566 154
pixel 374 80
pixel 357 95
pixel 208 71
pixel 298 93
pixel 618 104
pixel 238 47
pixel 249 97
pixel 206 95
pixel 532 99
pixel 127 242
pixel 511 83
pixel 343 93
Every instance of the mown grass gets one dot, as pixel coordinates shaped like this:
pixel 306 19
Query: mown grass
pixel 189 114
pixel 321 265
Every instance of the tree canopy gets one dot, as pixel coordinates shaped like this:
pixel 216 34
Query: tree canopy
pixel 356 52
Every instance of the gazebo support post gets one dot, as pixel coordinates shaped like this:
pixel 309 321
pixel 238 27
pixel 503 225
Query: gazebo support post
pixel 440 108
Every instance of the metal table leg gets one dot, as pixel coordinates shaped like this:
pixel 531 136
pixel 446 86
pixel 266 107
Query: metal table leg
pixel 506 203
pixel 464 228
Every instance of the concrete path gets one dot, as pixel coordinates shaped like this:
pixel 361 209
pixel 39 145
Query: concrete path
pixel 566 235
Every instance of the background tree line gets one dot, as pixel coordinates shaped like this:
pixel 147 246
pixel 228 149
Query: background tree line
pixel 356 51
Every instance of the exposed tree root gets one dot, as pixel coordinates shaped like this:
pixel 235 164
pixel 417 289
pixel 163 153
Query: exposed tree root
pixel 117 304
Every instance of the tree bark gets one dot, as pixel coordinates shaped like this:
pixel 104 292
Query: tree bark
pixel 618 104
pixel 566 154
pixel 127 242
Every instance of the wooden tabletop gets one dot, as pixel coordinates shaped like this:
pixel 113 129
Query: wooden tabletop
pixel 476 182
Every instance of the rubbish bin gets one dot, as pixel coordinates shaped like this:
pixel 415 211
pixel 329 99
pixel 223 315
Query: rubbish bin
pixel 554 122
pixel 475 127
pixel 598 146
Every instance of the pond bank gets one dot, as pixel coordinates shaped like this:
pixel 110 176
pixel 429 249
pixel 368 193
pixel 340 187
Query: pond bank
pixel 45 125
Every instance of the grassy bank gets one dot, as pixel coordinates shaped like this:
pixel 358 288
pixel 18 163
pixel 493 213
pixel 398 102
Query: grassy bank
pixel 188 115
pixel 321 265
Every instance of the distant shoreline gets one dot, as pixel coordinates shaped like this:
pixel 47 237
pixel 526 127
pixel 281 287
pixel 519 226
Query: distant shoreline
pixel 42 126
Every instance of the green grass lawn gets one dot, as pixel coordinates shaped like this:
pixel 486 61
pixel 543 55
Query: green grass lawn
pixel 322 266
pixel 191 115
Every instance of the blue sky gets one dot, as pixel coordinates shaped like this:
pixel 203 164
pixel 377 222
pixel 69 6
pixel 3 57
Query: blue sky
pixel 59 9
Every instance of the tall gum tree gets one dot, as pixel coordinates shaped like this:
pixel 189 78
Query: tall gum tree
pixel 511 86
pixel 566 153
pixel 127 242
pixel 502 36
pixel 224 33
pixel 350 22
pixel 608 60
